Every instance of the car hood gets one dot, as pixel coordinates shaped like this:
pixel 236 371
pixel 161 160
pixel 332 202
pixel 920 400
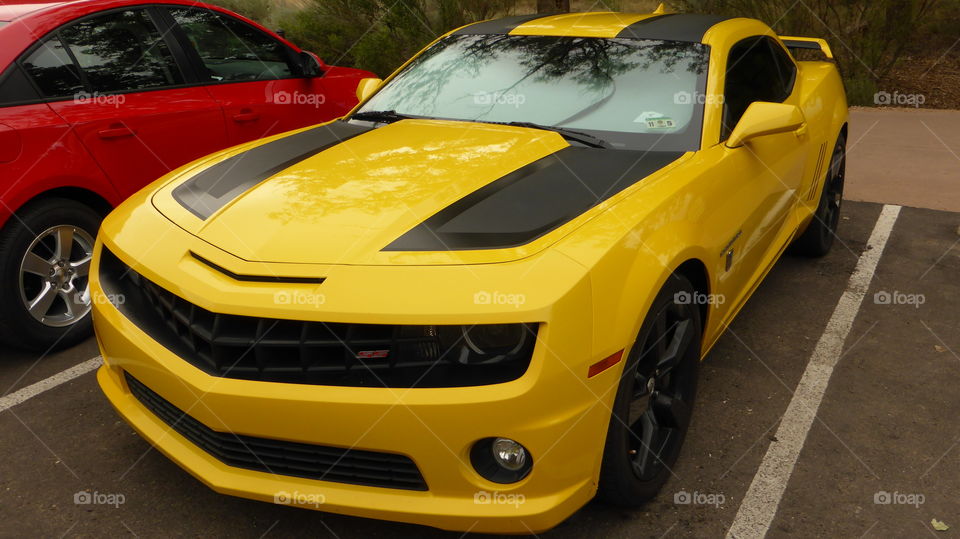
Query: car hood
pixel 411 192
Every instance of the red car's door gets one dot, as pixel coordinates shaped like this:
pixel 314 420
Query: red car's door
pixel 253 76
pixel 137 116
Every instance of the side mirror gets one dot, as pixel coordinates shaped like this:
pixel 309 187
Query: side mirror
pixel 762 118
pixel 309 65
pixel 367 87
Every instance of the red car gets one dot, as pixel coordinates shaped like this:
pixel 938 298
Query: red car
pixel 97 99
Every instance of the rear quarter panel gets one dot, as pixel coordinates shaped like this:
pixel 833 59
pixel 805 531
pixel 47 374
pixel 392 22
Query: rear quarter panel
pixel 820 94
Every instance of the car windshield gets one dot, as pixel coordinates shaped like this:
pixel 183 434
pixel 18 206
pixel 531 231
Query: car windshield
pixel 635 94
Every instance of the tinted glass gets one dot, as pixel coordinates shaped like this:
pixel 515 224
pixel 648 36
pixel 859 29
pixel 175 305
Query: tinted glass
pixel 122 51
pixel 230 49
pixel 15 87
pixel 638 94
pixel 752 75
pixel 788 70
pixel 52 70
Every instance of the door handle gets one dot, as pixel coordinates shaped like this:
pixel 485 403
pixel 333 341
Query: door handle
pixel 246 115
pixel 116 131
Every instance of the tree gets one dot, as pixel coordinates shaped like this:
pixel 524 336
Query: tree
pixel 553 6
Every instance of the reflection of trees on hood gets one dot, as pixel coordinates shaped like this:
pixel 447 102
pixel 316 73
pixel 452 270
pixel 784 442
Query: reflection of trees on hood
pixel 593 63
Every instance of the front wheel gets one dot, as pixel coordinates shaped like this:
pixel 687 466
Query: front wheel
pixel 654 402
pixel 45 253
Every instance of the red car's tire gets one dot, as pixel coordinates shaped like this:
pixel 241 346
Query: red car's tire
pixel 45 251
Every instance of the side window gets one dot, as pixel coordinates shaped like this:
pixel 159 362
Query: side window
pixel 122 51
pixel 754 73
pixel 788 70
pixel 231 50
pixel 52 70
pixel 15 87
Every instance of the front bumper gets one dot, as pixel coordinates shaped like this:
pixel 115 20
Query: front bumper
pixel 558 414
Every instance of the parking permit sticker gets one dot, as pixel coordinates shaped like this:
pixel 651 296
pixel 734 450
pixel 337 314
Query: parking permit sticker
pixel 655 120
pixel 660 123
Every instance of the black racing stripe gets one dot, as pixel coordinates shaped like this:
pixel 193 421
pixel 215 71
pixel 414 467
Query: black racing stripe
pixel 499 26
pixel 533 200
pixel 673 27
pixel 216 186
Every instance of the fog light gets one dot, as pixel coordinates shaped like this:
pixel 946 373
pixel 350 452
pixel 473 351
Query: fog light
pixel 501 460
pixel 509 454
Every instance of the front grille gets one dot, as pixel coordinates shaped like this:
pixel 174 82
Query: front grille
pixel 310 461
pixel 302 352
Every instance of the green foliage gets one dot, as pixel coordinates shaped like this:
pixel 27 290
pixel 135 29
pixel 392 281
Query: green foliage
pixel 867 36
pixel 258 10
pixel 380 35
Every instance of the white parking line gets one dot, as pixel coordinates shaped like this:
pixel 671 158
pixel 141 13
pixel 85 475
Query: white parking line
pixel 32 390
pixel 762 499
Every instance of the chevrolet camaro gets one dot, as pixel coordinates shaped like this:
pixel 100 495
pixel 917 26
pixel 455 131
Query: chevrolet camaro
pixel 480 299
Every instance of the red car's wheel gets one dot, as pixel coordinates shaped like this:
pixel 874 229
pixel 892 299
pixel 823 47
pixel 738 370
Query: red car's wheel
pixel 45 253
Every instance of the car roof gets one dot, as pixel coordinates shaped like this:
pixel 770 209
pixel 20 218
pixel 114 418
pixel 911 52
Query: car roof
pixel 12 10
pixel 666 26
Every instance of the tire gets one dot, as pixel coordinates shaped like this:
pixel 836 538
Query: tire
pixel 649 420
pixel 818 238
pixel 33 272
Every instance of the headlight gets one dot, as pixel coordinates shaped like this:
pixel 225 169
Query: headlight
pixel 487 343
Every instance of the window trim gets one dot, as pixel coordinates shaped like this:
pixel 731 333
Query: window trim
pixel 192 55
pixel 788 88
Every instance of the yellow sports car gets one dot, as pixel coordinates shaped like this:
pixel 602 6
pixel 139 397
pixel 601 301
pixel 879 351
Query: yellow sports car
pixel 481 298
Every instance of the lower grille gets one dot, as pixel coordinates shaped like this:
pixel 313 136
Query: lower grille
pixel 325 463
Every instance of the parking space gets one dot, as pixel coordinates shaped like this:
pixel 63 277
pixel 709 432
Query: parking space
pixel 886 426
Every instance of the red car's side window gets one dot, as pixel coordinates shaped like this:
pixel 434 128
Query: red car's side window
pixel 122 51
pixel 232 51
pixel 52 69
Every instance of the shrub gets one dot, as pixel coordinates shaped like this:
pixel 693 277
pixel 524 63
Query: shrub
pixel 867 36
pixel 380 35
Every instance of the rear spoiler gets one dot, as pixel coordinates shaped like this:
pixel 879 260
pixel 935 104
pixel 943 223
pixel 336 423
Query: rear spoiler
pixel 809 43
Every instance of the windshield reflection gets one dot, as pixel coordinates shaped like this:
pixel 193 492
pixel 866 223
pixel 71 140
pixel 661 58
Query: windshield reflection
pixel 636 93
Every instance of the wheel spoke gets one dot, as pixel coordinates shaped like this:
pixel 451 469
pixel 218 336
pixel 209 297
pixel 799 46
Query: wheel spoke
pixel 37 265
pixel 660 334
pixel 41 304
pixel 677 348
pixel 64 237
pixel 648 449
pixel 670 411
pixel 82 266
pixel 75 300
